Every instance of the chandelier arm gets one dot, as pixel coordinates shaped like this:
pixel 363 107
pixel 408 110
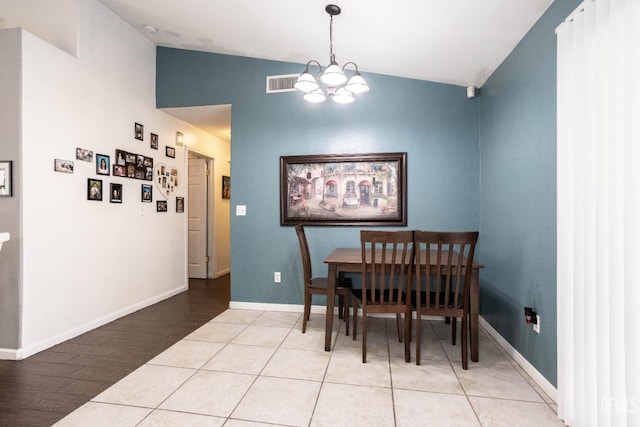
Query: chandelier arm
pixel 352 63
pixel 313 61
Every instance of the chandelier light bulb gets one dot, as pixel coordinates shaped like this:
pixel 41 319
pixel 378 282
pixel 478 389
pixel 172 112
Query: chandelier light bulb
pixel 357 84
pixel 343 96
pixel 315 97
pixel 306 82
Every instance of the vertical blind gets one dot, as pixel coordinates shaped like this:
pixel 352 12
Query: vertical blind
pixel 598 49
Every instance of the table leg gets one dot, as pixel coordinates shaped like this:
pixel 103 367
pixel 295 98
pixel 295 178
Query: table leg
pixel 331 294
pixel 474 313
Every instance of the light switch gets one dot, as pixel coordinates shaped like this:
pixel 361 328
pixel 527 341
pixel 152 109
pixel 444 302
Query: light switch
pixel 241 210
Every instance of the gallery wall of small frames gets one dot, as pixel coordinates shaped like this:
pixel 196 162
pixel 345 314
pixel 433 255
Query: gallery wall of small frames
pixel 130 164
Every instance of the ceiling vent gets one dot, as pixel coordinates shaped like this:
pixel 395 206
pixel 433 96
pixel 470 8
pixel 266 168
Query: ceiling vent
pixel 284 83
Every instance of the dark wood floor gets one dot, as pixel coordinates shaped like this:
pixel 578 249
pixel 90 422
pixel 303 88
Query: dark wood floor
pixel 42 389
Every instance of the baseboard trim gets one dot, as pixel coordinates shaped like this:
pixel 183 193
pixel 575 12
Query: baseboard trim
pixel 535 375
pixel 23 353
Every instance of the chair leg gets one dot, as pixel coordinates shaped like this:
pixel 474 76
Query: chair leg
pixel 347 314
pixel 307 310
pixel 454 322
pixel 418 332
pixel 398 327
pixel 364 338
pixel 355 319
pixel 407 337
pixel 464 338
pixel 340 306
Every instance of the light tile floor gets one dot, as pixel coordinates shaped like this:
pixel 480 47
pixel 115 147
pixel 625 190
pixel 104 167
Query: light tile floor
pixel 255 368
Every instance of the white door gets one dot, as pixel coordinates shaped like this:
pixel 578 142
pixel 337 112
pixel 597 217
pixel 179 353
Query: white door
pixel 198 218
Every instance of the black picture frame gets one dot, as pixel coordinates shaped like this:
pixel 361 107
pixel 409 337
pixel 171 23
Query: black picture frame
pixel 115 193
pixel 180 204
pixel 146 195
pixel 132 165
pixel 161 206
pixel 153 141
pixel 138 131
pixel 226 187
pixel 344 189
pixel 102 164
pixel 94 189
pixel 170 152
pixel 6 178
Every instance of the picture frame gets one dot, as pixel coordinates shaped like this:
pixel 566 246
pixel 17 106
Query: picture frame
pixel 6 178
pixel 147 193
pixel 344 189
pixel 170 152
pixel 84 155
pixel 102 164
pixel 139 131
pixel 132 165
pixel 115 193
pixel 153 141
pixel 94 189
pixel 226 187
pixel 161 206
pixel 180 204
pixel 64 166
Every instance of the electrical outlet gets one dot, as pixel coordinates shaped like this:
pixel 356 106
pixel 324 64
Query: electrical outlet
pixel 276 277
pixel 536 326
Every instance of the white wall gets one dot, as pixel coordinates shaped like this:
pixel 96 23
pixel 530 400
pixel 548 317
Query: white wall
pixel 85 262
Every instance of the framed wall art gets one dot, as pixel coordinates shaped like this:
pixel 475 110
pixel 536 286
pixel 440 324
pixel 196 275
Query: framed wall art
pixel 139 131
pixel 180 204
pixel 132 165
pixel 64 166
pixel 226 187
pixel 153 141
pixel 6 184
pixel 161 206
pixel 102 164
pixel 94 189
pixel 344 189
pixel 115 193
pixel 147 193
pixel 170 152
pixel 84 155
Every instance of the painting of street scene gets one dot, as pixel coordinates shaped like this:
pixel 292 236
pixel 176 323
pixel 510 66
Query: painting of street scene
pixel 356 189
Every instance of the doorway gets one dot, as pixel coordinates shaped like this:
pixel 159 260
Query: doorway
pixel 201 233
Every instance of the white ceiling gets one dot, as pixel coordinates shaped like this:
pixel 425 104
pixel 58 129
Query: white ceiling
pixel 459 42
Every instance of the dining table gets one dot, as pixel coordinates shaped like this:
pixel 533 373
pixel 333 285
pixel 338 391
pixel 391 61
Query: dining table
pixel 349 260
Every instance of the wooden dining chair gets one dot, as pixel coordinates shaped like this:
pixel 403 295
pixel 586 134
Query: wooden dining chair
pixel 387 268
pixel 443 266
pixel 318 285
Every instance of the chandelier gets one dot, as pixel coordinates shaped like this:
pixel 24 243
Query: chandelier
pixel 336 84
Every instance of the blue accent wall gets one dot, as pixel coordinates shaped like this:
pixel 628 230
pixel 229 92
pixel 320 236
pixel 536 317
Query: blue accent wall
pixel 488 163
pixel 518 187
pixel 434 123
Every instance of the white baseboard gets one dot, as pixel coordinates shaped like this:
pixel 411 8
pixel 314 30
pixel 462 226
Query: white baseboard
pixel 23 353
pixel 535 375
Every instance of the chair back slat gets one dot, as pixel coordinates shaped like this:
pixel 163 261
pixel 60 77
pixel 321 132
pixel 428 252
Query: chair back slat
pixel 387 266
pixel 442 262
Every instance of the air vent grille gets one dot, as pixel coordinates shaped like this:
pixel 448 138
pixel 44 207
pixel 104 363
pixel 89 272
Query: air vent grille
pixel 284 83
